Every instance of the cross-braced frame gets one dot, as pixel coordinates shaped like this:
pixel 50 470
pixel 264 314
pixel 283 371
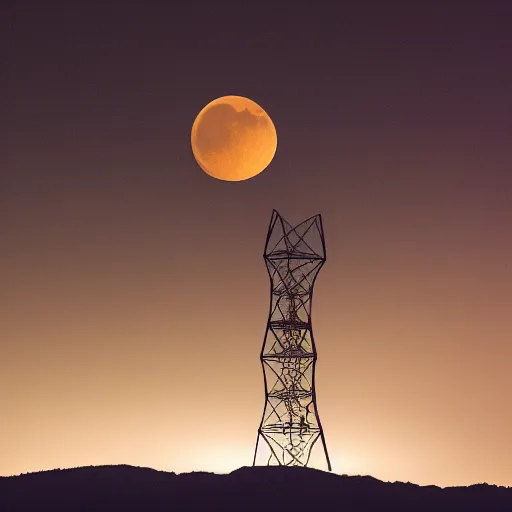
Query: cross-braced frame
pixel 290 426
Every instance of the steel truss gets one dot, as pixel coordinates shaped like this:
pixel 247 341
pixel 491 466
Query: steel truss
pixel 290 425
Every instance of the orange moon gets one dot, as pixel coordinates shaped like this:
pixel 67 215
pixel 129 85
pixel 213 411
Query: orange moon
pixel 233 139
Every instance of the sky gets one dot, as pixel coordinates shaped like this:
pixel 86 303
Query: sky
pixel 134 295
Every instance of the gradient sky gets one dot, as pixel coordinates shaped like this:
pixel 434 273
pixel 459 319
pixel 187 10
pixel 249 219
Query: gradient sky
pixel 134 296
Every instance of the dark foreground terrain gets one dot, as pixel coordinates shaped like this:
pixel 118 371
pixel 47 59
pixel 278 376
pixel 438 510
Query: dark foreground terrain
pixel 127 488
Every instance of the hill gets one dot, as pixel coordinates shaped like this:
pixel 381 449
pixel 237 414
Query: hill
pixel 265 489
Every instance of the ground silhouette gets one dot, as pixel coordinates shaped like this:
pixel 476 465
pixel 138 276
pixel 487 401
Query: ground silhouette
pixel 265 489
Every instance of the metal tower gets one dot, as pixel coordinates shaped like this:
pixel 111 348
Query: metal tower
pixel 290 425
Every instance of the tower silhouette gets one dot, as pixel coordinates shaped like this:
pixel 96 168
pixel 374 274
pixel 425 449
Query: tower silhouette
pixel 290 426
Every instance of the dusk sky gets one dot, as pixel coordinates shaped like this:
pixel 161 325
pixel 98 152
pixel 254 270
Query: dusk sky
pixel 134 296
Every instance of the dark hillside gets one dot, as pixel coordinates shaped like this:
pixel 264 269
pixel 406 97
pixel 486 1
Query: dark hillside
pixel 126 488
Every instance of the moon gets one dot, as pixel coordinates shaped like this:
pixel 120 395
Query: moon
pixel 233 139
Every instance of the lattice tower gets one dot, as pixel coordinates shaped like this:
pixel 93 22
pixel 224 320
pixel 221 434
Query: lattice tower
pixel 290 426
